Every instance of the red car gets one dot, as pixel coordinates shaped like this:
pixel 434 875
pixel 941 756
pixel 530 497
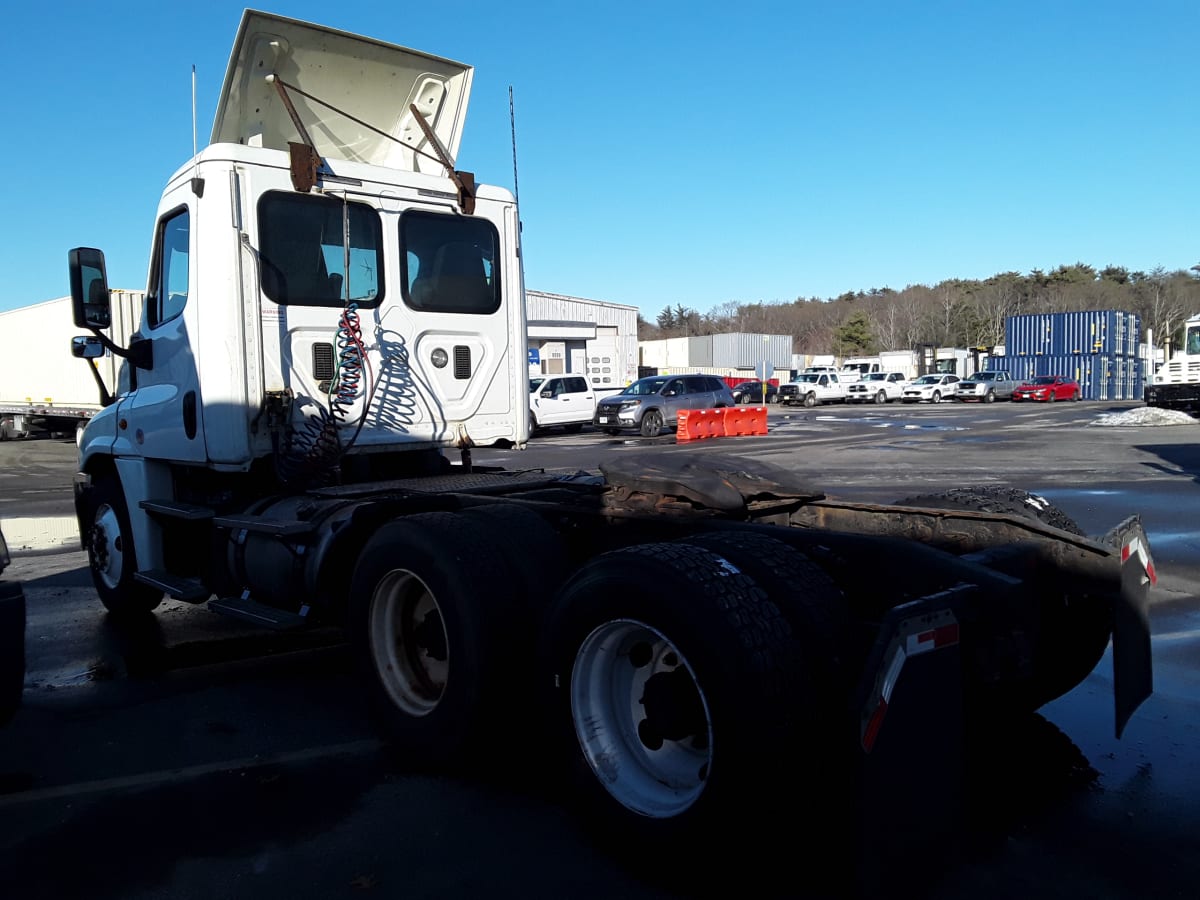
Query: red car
pixel 1048 388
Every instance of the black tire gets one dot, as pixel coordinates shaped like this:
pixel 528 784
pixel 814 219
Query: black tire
pixel 1073 630
pixel 111 554
pixel 936 398
pixel 810 400
pixel 430 623
pixel 533 549
pixel 1076 397
pixel 1050 397
pixel 660 647
pixel 881 398
pixel 989 397
pixel 809 599
pixel 533 424
pixel 652 423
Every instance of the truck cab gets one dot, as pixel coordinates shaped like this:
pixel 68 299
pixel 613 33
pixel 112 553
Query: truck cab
pixel 373 290
pixel 328 299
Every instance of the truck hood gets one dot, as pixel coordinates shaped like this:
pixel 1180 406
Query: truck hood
pixel 366 80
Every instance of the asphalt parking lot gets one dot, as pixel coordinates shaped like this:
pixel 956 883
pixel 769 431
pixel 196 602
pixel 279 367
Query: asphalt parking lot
pixel 220 763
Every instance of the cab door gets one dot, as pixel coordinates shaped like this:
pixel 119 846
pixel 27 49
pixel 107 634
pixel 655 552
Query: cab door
pixel 164 412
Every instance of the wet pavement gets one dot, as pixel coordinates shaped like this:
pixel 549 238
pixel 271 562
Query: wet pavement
pixel 196 758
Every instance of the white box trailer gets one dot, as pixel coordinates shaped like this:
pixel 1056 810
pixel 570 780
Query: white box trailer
pixel 42 386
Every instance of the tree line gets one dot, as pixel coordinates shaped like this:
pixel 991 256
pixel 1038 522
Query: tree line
pixel 954 313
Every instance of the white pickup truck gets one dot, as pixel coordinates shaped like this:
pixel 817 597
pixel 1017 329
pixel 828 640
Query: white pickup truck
pixel 565 400
pixel 877 387
pixel 811 388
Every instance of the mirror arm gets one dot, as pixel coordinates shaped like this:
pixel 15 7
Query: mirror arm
pixel 140 352
pixel 106 399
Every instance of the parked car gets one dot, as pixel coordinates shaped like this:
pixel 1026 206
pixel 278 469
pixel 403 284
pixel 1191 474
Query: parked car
pixel 651 404
pixel 876 387
pixel 987 386
pixel 752 392
pixel 811 388
pixel 564 400
pixel 1048 388
pixel 934 388
pixel 12 640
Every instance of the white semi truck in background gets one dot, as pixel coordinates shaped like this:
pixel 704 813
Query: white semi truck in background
pixel 332 307
pixel 1176 384
pixel 43 390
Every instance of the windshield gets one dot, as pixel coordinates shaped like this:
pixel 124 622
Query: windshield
pixel 807 379
pixel 535 383
pixel 876 376
pixel 645 387
pixel 928 379
pixel 1044 379
pixel 983 376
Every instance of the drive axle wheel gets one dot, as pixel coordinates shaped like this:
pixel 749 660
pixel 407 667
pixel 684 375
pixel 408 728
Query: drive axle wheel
pixel 430 619
pixel 676 687
pixel 1073 629
pixel 881 397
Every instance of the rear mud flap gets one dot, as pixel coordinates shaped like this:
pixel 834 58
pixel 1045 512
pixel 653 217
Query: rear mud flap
pixel 911 736
pixel 1133 677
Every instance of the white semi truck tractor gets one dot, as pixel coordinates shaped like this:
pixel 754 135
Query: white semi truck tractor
pixel 334 319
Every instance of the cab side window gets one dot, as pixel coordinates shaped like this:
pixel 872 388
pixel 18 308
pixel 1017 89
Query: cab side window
pixel 169 278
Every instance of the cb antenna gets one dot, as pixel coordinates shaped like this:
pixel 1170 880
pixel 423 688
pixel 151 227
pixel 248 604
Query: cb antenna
pixel 197 181
pixel 512 124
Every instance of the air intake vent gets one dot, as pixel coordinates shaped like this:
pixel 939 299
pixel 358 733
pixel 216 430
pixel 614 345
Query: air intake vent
pixel 322 367
pixel 462 362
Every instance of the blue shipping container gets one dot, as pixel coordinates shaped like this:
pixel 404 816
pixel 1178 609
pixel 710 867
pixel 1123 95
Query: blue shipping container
pixel 1106 332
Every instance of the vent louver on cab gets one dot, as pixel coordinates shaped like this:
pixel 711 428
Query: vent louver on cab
pixel 462 362
pixel 322 361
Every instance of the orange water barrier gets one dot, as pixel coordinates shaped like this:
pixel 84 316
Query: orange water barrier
pixel 732 421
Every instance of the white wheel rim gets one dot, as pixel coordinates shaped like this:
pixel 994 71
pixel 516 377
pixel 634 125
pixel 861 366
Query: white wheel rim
pixel 108 558
pixel 614 715
pixel 409 647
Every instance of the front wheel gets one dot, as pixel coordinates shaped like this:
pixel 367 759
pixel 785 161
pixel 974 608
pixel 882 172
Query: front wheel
pixel 989 397
pixel 110 550
pixel 1051 397
pixel 937 397
pixel 652 423
pixel 810 400
pixel 881 398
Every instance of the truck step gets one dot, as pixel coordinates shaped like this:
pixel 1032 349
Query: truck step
pixel 175 510
pixel 264 525
pixel 258 613
pixel 189 590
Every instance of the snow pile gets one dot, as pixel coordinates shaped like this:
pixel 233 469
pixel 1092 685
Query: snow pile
pixel 1145 415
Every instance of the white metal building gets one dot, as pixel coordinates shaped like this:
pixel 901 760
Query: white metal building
pixel 573 334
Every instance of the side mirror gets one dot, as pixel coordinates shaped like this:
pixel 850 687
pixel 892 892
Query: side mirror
pixel 90 302
pixel 87 347
pixel 547 394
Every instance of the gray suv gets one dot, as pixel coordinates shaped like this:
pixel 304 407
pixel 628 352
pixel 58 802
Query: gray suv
pixel 650 404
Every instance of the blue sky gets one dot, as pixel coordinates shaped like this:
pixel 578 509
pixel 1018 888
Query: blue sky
pixel 676 153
